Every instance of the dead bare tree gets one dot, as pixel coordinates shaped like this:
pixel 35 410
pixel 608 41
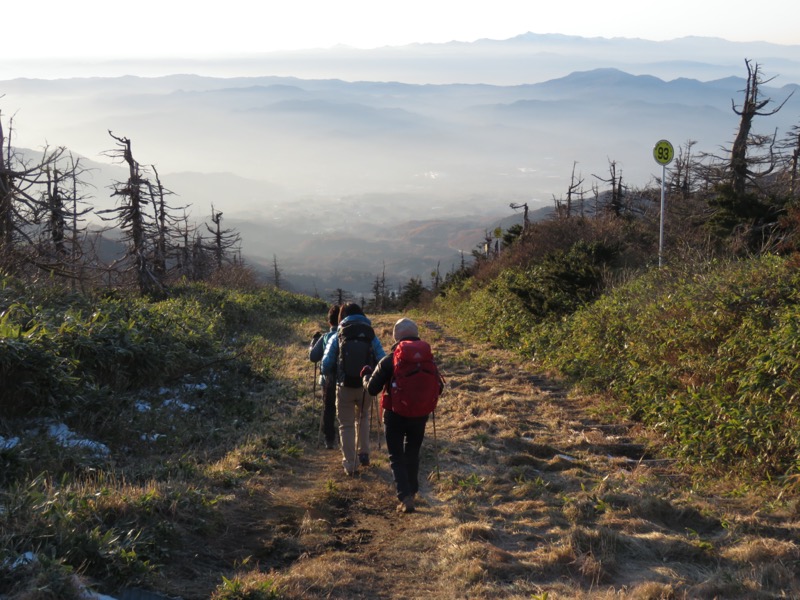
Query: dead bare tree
pixel 791 148
pixel 615 204
pixel 682 171
pixel 525 221
pixel 23 203
pixel 742 205
pixel 169 243
pixel 276 272
pixel 380 291
pixel 223 240
pixel 745 165
pixel 6 199
pixel 78 209
pixel 563 207
pixel 436 279
pixel 574 191
pixel 158 193
pixel 62 213
pixel 55 223
pixel 183 247
pixel 201 263
pixel 132 219
pixel 596 198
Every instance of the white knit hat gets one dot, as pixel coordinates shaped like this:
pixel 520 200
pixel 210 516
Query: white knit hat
pixel 404 328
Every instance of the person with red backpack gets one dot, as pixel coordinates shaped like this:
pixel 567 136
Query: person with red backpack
pixel 411 386
pixel 354 346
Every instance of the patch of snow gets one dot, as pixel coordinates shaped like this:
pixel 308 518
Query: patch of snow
pixel 26 558
pixel 195 387
pixel 143 406
pixel 179 405
pixel 567 458
pixel 67 439
pixel 8 444
pixel 152 437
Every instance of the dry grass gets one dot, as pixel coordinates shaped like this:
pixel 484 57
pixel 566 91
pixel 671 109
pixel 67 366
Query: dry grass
pixel 755 550
pixel 471 532
pixel 519 500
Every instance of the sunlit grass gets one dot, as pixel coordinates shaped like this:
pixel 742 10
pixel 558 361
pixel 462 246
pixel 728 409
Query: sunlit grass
pixel 211 416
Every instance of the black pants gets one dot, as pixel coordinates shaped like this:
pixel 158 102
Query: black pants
pixel 404 437
pixel 329 413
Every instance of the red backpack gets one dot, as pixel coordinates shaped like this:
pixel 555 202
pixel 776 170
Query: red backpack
pixel 416 383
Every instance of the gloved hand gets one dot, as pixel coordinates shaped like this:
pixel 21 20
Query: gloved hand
pixel 365 370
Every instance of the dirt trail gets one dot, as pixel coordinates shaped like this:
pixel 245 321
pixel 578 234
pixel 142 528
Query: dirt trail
pixel 528 497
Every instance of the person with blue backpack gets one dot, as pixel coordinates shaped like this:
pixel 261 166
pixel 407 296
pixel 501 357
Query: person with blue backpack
pixel 411 385
pixel 354 346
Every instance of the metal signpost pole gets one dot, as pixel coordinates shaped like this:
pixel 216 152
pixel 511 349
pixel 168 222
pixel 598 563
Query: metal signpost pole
pixel 663 152
pixel 661 224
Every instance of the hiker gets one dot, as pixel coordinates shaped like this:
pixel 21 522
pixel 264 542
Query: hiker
pixel 346 353
pixel 411 387
pixel 315 353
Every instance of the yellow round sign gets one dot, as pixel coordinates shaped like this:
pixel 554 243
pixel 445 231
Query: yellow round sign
pixel 663 152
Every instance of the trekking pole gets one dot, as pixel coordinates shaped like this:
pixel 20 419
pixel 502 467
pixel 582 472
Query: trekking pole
pixel 363 402
pixel 324 390
pixel 377 407
pixel 435 448
pixel 314 389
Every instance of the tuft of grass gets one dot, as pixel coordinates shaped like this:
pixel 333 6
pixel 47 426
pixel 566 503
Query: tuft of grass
pixel 470 532
pixel 252 585
pixel 41 578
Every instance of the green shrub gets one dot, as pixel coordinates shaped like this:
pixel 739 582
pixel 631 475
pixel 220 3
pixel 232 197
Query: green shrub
pixel 240 309
pixel 92 363
pixel 253 586
pixel 505 310
pixel 59 521
pixel 709 357
pixel 57 348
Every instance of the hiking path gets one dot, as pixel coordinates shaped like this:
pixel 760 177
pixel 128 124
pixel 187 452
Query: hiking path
pixel 527 494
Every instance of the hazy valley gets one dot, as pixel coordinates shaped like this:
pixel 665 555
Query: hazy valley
pixel 339 177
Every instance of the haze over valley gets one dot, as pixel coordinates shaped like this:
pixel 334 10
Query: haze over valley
pixel 340 162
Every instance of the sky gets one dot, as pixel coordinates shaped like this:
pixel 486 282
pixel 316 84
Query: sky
pixel 99 29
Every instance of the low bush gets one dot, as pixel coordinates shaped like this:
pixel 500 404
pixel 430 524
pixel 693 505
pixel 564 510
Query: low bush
pixel 708 356
pixel 55 348
pixel 506 308
pixel 121 421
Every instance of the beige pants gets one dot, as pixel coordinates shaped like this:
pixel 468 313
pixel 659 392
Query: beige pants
pixel 353 407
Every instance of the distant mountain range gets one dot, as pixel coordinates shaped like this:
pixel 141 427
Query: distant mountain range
pixel 337 176
pixel 526 58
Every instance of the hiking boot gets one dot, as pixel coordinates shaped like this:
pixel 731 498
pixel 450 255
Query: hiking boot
pixel 330 445
pixel 363 460
pixel 406 505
